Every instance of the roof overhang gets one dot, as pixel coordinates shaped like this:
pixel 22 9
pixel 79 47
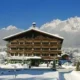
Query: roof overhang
pixel 35 29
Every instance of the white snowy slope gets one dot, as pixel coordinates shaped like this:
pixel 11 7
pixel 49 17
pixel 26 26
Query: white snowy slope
pixel 69 29
pixel 70 25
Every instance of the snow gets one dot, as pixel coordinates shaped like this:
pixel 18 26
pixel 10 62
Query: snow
pixel 24 66
pixel 11 66
pixel 23 57
pixel 74 75
pixel 69 25
pixel 31 75
pixel 18 72
pixel 68 65
pixel 3 53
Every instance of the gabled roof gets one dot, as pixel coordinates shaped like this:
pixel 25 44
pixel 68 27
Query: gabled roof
pixel 35 29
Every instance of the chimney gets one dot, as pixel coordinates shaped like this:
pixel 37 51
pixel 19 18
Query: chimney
pixel 34 24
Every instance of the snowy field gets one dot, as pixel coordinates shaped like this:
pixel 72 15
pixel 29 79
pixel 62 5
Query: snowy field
pixel 29 74
pixel 39 74
pixel 74 75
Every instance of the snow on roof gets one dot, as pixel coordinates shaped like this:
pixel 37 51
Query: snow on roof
pixel 23 57
pixel 35 29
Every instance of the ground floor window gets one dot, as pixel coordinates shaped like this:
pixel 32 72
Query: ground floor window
pixel 45 54
pixel 35 54
pixel 52 54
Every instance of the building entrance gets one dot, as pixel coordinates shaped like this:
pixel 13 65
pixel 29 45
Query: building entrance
pixel 35 62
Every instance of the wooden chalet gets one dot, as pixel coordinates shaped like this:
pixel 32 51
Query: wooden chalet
pixel 34 42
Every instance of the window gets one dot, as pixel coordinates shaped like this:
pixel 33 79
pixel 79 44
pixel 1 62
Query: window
pixel 45 43
pixel 28 43
pixel 25 54
pixel 35 54
pixel 37 43
pixel 29 54
pixel 53 43
pixel 53 48
pixel 45 48
pixel 28 48
pixel 21 43
pixel 12 54
pixel 13 48
pixel 45 54
pixel 59 48
pixel 51 54
pixel 20 54
pixel 16 54
pixel 36 48
pixel 20 48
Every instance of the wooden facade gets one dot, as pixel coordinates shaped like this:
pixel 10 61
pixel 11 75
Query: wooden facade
pixel 34 43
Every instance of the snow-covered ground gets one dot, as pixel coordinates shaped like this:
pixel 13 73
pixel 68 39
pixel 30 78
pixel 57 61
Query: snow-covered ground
pixel 74 75
pixel 8 72
pixel 37 73
pixel 24 66
pixel 29 75
pixel 68 65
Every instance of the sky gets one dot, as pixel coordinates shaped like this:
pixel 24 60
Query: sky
pixel 22 13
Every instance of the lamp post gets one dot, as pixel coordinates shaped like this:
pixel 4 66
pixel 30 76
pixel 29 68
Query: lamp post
pixel 54 65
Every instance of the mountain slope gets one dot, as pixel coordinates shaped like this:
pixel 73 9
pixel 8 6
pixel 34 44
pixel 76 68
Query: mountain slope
pixel 69 29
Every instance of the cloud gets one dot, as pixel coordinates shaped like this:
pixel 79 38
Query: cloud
pixel 70 25
pixel 10 27
pixel 6 31
pixel 69 29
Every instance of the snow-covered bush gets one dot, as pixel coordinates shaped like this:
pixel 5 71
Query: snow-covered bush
pixel 3 56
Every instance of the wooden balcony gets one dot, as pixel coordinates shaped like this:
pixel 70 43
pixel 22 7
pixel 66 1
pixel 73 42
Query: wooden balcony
pixel 27 51
pixel 28 46
pixel 45 40
pixel 37 51
pixel 45 51
pixel 55 51
pixel 45 46
pixel 12 51
pixel 21 41
pixel 14 41
pixel 37 40
pixel 9 45
pixel 47 57
pixel 36 45
pixel 53 40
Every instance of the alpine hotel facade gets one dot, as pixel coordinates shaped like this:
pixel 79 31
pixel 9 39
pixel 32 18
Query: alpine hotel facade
pixel 34 42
